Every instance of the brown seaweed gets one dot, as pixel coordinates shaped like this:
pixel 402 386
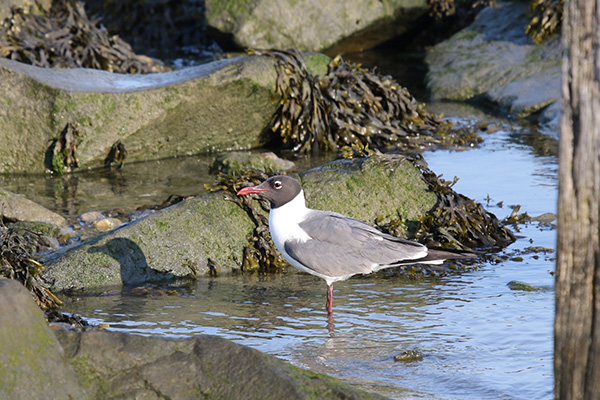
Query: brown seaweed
pixel 457 221
pixel 18 262
pixel 546 19
pixel 351 106
pixel 260 253
pixel 116 155
pixel 65 37
pixel 61 155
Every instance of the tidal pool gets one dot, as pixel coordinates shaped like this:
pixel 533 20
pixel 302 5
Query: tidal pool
pixel 479 338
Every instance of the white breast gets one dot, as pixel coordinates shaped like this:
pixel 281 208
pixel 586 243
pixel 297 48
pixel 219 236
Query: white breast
pixel 284 220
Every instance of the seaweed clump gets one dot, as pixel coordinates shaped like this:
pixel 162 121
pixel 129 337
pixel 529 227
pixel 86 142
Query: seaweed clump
pixel 17 261
pixel 65 37
pixel 351 106
pixel 464 10
pixel 546 19
pixel 457 221
pixel 259 254
pixel 61 156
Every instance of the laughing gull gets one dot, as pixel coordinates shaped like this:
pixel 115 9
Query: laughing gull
pixel 329 245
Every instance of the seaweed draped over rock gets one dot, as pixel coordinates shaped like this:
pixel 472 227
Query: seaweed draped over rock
pixel 546 19
pixel 456 222
pixel 351 106
pixel 260 252
pixel 17 262
pixel 65 37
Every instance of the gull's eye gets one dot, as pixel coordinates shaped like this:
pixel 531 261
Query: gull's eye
pixel 277 185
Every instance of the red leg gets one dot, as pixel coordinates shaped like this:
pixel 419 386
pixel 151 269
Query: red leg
pixel 330 309
pixel 330 300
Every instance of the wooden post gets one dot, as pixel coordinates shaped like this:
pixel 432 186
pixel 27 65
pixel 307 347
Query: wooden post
pixel 577 322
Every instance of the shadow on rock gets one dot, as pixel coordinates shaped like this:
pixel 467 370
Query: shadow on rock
pixel 134 267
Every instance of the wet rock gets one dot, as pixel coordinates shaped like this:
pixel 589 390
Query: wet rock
pixel 185 239
pixel 38 363
pixel 524 286
pixel 545 218
pixel 32 364
pixel 408 356
pixel 232 162
pixel 107 224
pixel 90 217
pixel 494 61
pixel 335 26
pixel 118 365
pixel 15 207
pixel 223 105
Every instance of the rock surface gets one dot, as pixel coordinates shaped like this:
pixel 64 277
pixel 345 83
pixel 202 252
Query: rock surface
pixel 18 208
pixel 37 363
pixel 180 240
pixel 118 365
pixel 31 361
pixel 223 105
pixel 494 61
pixel 332 27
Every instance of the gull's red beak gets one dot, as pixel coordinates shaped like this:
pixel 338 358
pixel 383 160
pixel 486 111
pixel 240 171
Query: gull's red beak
pixel 251 190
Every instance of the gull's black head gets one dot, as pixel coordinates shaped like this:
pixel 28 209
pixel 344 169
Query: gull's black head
pixel 279 190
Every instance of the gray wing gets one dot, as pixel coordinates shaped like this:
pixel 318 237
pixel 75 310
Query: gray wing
pixel 344 246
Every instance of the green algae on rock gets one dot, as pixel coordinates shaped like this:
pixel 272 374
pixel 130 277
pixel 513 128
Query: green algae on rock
pixel 369 189
pixel 219 106
pixel 32 364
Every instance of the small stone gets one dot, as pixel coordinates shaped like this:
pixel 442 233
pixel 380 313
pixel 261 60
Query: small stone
pixel 409 355
pixel 90 217
pixel 524 286
pixel 107 224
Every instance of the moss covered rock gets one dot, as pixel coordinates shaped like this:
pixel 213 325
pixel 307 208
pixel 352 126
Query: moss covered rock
pixel 209 233
pixel 118 365
pixel 38 363
pixel 223 105
pixel 32 365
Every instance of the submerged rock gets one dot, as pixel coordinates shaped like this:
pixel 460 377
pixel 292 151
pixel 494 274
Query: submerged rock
pixel 119 365
pixel 494 61
pixel 32 364
pixel 38 363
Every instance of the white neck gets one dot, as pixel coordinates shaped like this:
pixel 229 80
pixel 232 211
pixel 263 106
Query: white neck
pixel 292 210
pixel 283 221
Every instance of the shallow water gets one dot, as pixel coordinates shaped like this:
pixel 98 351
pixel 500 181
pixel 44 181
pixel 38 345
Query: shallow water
pixel 479 339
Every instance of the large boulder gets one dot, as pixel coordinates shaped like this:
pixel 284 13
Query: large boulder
pixel 222 105
pixel 31 359
pixel 115 365
pixel 37 363
pixel 331 27
pixel 494 61
pixel 194 236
